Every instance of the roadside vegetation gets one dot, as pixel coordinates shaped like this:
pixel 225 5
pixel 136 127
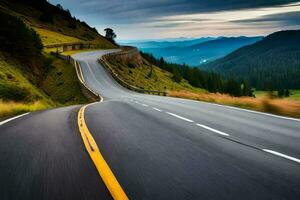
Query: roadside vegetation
pixel 210 81
pixel 11 108
pixel 149 77
pixel 280 106
pixel 31 79
pixel 61 83
pixel 286 94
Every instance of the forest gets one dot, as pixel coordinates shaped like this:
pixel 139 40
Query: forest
pixel 211 81
pixel 270 64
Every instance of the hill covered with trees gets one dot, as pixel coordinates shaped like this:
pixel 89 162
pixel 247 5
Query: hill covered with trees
pixel 210 81
pixel 270 64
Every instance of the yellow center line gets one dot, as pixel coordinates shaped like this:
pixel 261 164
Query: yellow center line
pixel 104 170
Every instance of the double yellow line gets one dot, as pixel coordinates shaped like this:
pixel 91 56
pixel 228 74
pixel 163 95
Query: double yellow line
pixel 104 171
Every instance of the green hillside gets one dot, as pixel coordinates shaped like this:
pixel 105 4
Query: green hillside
pixel 31 79
pixel 272 63
pixel 150 77
pixel 54 24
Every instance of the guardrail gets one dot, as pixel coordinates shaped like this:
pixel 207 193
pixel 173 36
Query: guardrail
pixel 85 89
pixel 107 66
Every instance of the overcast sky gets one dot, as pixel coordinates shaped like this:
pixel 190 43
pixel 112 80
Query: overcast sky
pixel 154 19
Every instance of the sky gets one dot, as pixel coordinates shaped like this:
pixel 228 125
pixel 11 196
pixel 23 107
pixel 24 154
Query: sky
pixel 159 19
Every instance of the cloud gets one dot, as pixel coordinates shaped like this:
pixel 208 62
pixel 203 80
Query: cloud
pixel 131 11
pixel 284 19
pixel 175 18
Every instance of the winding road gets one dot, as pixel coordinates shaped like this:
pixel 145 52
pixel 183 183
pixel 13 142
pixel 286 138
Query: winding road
pixel 156 147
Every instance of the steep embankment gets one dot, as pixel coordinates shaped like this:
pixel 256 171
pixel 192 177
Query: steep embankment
pixel 132 68
pixel 272 63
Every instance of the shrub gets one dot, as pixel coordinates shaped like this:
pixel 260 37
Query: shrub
pixel 21 42
pixel 15 93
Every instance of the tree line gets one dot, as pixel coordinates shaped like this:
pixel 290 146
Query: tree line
pixel 21 42
pixel 211 81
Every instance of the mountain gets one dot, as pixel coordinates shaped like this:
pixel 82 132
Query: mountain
pixel 272 63
pixel 203 51
pixel 166 43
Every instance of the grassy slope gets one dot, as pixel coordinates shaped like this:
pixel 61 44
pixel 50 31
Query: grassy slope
pixel 60 87
pixel 56 32
pixel 49 37
pixel 61 83
pixel 155 79
pixel 10 75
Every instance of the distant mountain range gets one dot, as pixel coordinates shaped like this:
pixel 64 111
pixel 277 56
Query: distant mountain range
pixel 272 63
pixel 166 43
pixel 194 52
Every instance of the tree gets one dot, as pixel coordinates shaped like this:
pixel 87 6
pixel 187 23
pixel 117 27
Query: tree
pixel 59 7
pixel 233 87
pixel 280 92
pixel 176 75
pixel 246 89
pixel 286 93
pixel 110 35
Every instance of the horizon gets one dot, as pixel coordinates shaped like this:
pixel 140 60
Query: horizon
pixel 154 20
pixel 178 39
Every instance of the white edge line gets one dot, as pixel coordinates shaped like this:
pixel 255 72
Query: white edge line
pixel 183 118
pixel 282 155
pixel 10 119
pixel 144 105
pixel 84 83
pixel 80 71
pixel 213 130
pixel 157 109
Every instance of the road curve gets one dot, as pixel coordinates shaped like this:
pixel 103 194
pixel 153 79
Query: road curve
pixel 157 147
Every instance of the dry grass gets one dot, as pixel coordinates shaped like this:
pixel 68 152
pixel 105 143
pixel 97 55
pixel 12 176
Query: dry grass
pixel 275 106
pixel 14 108
pixel 72 52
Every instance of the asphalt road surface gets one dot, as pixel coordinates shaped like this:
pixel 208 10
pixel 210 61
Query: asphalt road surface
pixel 157 147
